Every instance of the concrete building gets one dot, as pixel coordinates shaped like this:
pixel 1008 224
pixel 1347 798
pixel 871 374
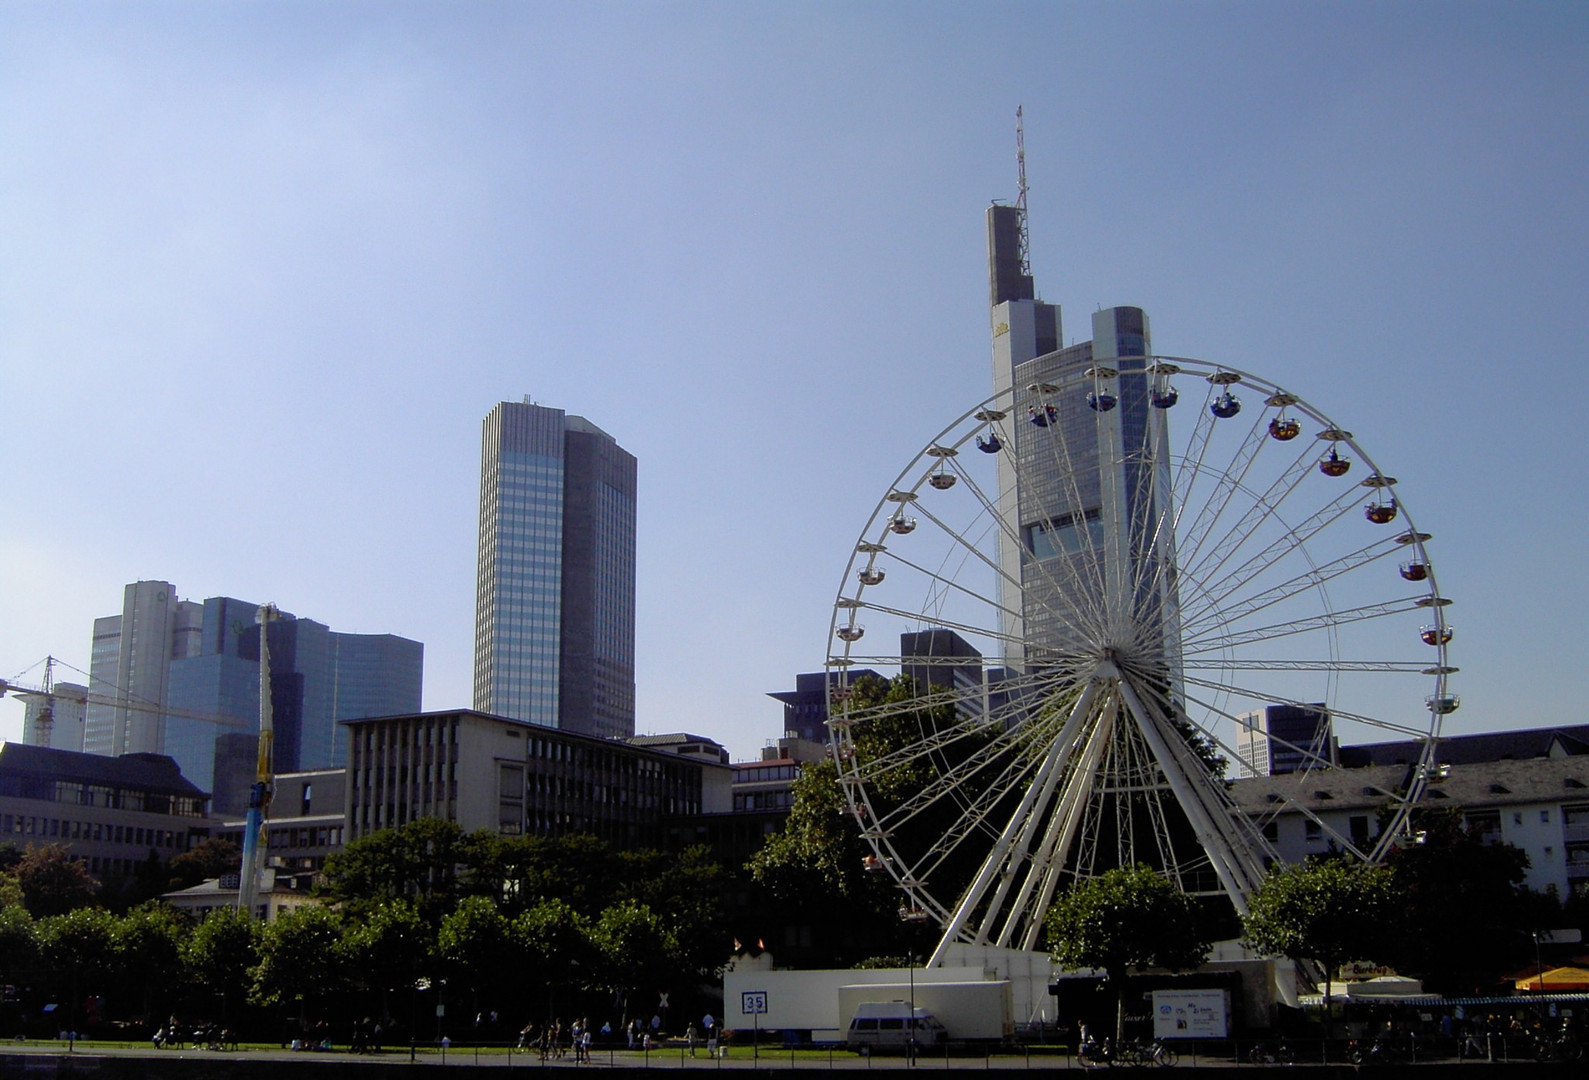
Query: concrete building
pixel 308 821
pixel 515 777
pixel 555 599
pixel 805 708
pixel 115 813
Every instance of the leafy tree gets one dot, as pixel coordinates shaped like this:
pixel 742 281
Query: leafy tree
pixel 555 941
pixel 686 888
pixel 211 857
pixel 476 944
pixel 390 946
pixel 1457 887
pixel 80 949
pixel 635 950
pixel 582 870
pixel 1327 911
pixel 1128 917
pixel 19 941
pixel 220 953
pixel 300 958
pixel 53 882
pixel 148 944
pixel 419 861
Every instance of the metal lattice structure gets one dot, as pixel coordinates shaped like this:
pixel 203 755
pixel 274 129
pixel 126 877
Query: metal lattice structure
pixel 1235 590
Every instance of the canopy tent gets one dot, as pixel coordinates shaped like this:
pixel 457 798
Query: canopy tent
pixel 1555 981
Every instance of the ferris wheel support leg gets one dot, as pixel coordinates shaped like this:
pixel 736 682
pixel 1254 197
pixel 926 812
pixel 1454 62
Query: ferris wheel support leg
pixel 1043 876
pixel 1035 821
pixel 1233 862
pixel 1058 751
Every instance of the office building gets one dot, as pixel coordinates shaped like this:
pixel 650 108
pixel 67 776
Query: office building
pixel 1066 477
pixel 805 708
pixel 1278 739
pixel 515 777
pixel 555 600
pixel 129 665
pixel 197 698
pixel 114 813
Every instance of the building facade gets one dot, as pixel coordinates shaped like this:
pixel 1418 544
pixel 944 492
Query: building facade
pixel 114 813
pixel 515 777
pixel 130 664
pixel 555 590
pixel 1283 739
pixel 197 697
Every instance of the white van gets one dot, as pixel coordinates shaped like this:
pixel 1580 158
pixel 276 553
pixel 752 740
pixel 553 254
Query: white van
pixel 888 1024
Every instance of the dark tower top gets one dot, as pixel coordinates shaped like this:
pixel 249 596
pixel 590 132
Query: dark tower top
pixel 1005 280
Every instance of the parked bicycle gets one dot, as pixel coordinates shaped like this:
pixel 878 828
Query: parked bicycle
pixel 1275 1053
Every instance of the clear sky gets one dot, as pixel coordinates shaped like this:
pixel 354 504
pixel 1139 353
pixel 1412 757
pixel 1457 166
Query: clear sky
pixel 264 267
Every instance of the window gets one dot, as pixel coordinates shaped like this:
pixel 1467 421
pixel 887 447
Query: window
pixel 1311 829
pixel 1271 831
pixel 1544 817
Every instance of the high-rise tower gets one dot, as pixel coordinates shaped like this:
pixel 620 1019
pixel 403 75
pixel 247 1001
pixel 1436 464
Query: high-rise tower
pixel 555 599
pixel 1082 481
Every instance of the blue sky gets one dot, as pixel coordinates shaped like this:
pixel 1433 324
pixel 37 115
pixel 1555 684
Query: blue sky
pixel 265 267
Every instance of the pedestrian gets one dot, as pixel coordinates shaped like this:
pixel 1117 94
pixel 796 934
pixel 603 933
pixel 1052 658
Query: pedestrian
pixel 689 1037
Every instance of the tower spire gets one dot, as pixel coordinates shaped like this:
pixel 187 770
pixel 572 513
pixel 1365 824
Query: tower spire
pixel 1024 249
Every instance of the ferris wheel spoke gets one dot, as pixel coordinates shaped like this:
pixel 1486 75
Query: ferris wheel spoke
pixel 1227 484
pixel 1234 611
pixel 1264 508
pixel 1273 699
pixel 1403 667
pixel 1297 539
pixel 1327 621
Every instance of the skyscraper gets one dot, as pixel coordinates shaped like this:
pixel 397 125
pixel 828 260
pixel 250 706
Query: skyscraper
pixel 555 591
pixel 1065 480
pixel 130 662
pixel 184 679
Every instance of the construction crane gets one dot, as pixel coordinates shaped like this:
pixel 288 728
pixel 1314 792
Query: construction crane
pixel 45 720
pixel 264 774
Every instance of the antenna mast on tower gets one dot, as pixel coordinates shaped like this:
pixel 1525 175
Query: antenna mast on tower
pixel 1024 248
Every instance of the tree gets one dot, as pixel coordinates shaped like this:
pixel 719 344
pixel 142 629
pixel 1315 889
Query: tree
pixel 555 940
pixel 1457 887
pixel 19 941
pixel 635 950
pixel 300 958
pixel 686 888
pixel 53 882
pixel 1128 917
pixel 1327 911
pixel 220 953
pixel 419 861
pixel 390 946
pixel 211 857
pixel 148 943
pixel 476 943
pixel 80 949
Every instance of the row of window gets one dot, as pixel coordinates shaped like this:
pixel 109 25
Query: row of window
pixel 58 829
pixel 105 795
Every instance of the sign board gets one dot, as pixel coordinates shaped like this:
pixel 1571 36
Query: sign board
pixel 1191 1014
pixel 753 1002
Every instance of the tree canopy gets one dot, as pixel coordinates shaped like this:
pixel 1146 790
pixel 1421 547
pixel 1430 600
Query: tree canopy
pixel 1328 910
pixel 1128 917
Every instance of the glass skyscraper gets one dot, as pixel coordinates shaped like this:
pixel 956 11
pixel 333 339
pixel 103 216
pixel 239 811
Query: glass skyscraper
pixel 181 678
pixel 555 591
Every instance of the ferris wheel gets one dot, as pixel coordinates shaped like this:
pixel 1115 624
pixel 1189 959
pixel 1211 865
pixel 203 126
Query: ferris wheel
pixel 1091 602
